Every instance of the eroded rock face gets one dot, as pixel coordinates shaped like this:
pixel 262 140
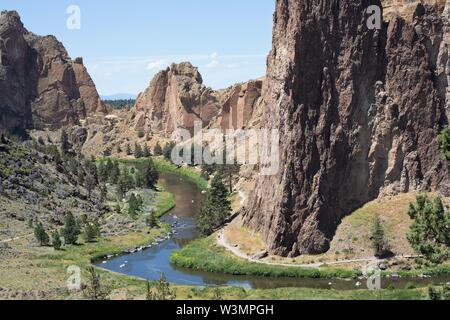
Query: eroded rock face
pixel 176 98
pixel 239 104
pixel 359 112
pixel 40 86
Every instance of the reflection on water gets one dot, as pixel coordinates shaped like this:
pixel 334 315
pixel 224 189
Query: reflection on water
pixel 151 263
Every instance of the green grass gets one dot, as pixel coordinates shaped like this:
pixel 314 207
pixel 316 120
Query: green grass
pixel 204 255
pixel 164 166
pixel 165 202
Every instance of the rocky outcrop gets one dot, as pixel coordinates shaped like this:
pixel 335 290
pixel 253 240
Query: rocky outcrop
pixel 40 86
pixel 358 111
pixel 239 104
pixel 406 8
pixel 176 98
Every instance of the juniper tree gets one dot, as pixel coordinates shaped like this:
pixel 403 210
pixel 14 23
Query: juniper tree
pixel 161 290
pixel 216 208
pixel 128 150
pixel 41 235
pixel 430 232
pixel 65 145
pixel 444 139
pixel 94 289
pixel 137 151
pixel 71 230
pixel 146 152
pixel 378 238
pixel 56 240
pixel 158 151
pixel 148 175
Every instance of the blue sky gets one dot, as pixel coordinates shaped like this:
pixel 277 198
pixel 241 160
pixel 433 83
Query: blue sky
pixel 124 43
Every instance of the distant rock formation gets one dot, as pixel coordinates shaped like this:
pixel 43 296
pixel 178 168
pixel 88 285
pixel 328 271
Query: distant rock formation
pixel 176 98
pixel 239 104
pixel 40 86
pixel 359 112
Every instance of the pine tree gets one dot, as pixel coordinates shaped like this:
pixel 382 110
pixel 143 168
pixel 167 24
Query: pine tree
pixel 96 228
pixel 94 289
pixel 216 208
pixel 430 232
pixel 71 230
pixel 134 206
pixel 167 151
pixel 137 151
pixel 128 150
pixel 151 220
pixel 148 175
pixel 90 233
pixel 444 139
pixel 158 151
pixel 40 234
pixel 379 242
pixel 65 145
pixel 56 240
pixel 146 153
pixel 114 173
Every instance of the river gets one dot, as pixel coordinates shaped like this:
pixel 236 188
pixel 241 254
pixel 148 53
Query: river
pixel 151 263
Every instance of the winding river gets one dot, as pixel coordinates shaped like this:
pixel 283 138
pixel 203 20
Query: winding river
pixel 151 263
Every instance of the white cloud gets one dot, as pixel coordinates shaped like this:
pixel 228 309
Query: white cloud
pixel 232 66
pixel 214 56
pixel 158 64
pixel 212 64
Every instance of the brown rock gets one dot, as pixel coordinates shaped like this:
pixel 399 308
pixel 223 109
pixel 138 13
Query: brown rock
pixel 358 111
pixel 40 86
pixel 239 104
pixel 176 98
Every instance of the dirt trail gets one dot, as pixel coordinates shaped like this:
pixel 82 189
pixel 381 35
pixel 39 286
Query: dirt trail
pixel 222 241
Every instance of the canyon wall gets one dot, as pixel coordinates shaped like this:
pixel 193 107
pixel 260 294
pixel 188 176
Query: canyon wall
pixel 40 86
pixel 359 112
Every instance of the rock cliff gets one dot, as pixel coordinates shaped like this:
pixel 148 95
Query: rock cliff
pixel 176 98
pixel 359 112
pixel 40 86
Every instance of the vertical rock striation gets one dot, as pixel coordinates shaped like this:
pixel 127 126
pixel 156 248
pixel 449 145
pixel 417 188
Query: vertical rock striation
pixel 358 111
pixel 176 98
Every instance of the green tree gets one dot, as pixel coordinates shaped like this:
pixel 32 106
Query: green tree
pixel 217 295
pixel 89 233
pixel 430 232
pixel 128 150
pixel 167 151
pixel 125 183
pixel 146 152
pixel 56 240
pixel 151 220
pixel 138 151
pixel 158 151
pixel 161 290
pixel 148 175
pixel 216 208
pixel 114 174
pixel 71 230
pixel 41 235
pixel 444 139
pixel 134 206
pixel 65 145
pixel 94 289
pixel 379 242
